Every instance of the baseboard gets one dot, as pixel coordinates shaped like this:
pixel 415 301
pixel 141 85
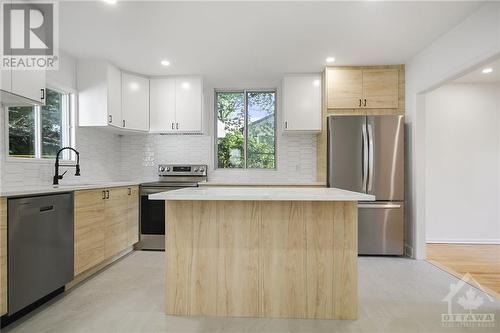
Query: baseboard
pixel 91 271
pixel 464 241
pixel 408 251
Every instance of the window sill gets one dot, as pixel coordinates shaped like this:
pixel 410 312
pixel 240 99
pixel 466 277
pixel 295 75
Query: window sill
pixel 36 160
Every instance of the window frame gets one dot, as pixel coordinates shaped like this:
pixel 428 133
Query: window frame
pixel 68 132
pixel 245 130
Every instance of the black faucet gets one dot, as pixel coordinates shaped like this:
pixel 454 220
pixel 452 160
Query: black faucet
pixel 77 173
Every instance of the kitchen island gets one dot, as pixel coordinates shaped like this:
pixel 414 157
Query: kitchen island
pixel 261 252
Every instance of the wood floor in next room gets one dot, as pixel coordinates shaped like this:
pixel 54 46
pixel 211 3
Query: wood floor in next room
pixel 395 295
pixel 482 262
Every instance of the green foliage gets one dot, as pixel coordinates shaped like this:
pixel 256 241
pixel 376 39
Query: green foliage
pixel 22 128
pixel 21 131
pixel 230 110
pixel 261 133
pixel 51 124
pixel 233 141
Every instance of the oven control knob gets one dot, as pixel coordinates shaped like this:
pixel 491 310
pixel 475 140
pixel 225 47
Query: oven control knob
pixel 162 169
pixel 168 169
pixel 196 170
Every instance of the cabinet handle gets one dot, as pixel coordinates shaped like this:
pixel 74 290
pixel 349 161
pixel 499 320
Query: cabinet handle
pixel 107 194
pixel 103 195
pixel 360 102
pixel 172 125
pixel 365 102
pixel 42 93
pixel 286 124
pixel 177 125
pixel 129 191
pixel 110 118
pixel 123 122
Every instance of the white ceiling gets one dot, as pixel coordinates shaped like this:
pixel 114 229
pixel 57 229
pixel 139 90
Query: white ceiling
pixel 477 76
pixel 243 43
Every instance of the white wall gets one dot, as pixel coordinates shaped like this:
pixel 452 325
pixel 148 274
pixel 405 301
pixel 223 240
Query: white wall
pixel 473 41
pixel 462 173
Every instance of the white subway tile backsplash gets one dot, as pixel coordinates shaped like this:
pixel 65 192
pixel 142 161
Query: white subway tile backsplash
pixel 296 160
pixel 106 156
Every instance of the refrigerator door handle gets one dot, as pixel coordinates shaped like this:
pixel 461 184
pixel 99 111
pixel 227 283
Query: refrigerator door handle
pixel 371 153
pixel 379 206
pixel 364 159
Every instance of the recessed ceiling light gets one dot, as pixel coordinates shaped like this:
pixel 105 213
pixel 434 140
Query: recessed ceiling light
pixel 330 60
pixel 487 70
pixel 134 86
pixel 165 62
pixel 111 2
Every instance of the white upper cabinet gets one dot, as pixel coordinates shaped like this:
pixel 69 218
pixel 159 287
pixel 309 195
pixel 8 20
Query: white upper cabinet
pixel 114 98
pixel 302 103
pixel 176 105
pixel 29 84
pixel 188 104
pixel 99 94
pixel 22 87
pixel 135 102
pixel 162 105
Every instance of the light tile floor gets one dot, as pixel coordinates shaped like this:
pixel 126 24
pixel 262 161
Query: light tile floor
pixel 396 295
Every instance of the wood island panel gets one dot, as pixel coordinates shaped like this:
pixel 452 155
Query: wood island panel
pixel 283 259
pixel 179 252
pixel 275 259
pixel 238 258
pixel 319 269
pixel 203 274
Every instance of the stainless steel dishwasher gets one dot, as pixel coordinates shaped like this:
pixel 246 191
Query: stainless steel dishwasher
pixel 41 247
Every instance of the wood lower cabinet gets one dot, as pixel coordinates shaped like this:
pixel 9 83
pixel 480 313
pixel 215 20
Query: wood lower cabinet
pixel 106 223
pixel 115 224
pixel 3 256
pixel 89 229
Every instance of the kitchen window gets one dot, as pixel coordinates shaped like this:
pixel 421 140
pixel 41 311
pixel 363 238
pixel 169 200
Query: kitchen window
pixel 245 129
pixel 38 132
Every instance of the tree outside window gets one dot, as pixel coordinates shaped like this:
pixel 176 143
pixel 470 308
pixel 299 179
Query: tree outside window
pixel 39 132
pixel 246 129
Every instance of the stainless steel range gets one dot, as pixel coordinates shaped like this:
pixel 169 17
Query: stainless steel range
pixel 171 177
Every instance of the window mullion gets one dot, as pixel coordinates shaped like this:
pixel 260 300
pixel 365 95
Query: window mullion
pixel 245 132
pixel 38 132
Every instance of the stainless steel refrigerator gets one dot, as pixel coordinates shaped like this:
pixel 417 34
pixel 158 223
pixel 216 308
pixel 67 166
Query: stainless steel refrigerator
pixel 366 154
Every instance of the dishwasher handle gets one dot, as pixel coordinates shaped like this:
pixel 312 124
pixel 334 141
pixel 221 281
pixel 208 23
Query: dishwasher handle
pixel 46 209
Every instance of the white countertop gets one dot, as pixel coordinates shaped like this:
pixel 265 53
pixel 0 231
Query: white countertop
pixel 209 183
pixel 262 194
pixel 32 190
